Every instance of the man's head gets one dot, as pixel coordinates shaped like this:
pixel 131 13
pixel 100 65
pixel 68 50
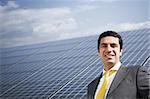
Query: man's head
pixel 110 48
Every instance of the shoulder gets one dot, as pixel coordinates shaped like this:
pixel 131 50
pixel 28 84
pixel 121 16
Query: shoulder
pixel 141 73
pixel 131 69
pixel 135 67
pixel 139 68
pixel 137 71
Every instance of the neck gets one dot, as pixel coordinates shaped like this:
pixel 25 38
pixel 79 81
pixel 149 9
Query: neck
pixel 108 66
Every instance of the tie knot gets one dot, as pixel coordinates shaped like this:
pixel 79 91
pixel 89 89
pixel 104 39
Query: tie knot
pixel 109 73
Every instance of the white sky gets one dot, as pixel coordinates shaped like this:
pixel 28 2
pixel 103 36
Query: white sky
pixel 34 21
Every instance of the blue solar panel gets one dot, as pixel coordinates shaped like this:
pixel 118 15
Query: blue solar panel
pixel 62 69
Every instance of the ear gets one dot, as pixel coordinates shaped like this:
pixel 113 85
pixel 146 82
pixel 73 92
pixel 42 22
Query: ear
pixel 121 52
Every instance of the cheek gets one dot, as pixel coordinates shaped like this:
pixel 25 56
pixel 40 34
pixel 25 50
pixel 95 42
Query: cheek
pixel 100 54
pixel 102 50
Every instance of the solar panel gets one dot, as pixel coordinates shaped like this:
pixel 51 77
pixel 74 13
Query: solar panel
pixel 63 69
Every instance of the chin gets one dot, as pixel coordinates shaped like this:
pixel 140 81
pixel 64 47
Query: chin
pixel 110 62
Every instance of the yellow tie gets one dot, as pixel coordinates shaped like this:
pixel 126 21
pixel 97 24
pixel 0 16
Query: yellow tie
pixel 101 91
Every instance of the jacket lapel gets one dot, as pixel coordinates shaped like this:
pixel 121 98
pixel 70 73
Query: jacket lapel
pixel 93 86
pixel 121 74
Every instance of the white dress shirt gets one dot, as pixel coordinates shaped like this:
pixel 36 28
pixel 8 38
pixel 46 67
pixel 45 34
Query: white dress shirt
pixel 110 79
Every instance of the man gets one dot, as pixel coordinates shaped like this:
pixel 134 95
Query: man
pixel 117 81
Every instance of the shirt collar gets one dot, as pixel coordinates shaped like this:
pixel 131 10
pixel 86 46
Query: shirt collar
pixel 116 67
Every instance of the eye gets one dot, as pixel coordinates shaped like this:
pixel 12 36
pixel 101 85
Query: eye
pixel 113 45
pixel 104 45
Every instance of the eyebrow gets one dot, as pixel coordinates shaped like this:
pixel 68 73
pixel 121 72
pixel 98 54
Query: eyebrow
pixel 109 43
pixel 103 44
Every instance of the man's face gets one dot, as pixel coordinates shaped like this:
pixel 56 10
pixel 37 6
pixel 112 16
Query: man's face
pixel 109 50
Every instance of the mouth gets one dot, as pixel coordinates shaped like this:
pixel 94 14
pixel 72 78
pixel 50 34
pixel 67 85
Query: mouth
pixel 109 55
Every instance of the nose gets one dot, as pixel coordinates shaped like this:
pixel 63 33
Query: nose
pixel 109 48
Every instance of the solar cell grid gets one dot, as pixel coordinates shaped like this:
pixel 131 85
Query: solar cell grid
pixel 87 44
pixel 133 39
pixel 24 67
pixel 42 57
pixel 48 74
pixel 136 54
pixel 58 48
pixel 129 47
pixel 80 53
pixel 25 47
pixel 13 60
pixel 22 52
pixel 132 35
pixel 19 53
pixel 92 38
pixel 137 45
pixel 130 59
pixel 73 87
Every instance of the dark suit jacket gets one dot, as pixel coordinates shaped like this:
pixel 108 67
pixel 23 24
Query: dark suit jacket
pixel 129 83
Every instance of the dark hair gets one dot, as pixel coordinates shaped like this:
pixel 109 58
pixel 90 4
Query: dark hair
pixel 110 33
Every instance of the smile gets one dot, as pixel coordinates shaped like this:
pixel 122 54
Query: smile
pixel 109 55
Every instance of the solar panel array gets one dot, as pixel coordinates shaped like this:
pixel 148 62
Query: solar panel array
pixel 62 69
